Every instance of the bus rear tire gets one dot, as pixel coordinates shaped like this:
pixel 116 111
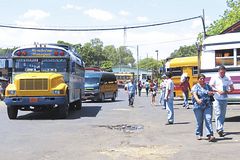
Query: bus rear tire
pixel 12 112
pixel 102 97
pixel 114 97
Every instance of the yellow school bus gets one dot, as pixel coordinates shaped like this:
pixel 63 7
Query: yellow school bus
pixel 123 78
pixel 45 77
pixel 178 66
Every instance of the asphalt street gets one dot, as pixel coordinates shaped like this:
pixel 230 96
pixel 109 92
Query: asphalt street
pixel 114 131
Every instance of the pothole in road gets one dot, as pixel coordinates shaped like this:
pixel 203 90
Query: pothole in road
pixel 125 127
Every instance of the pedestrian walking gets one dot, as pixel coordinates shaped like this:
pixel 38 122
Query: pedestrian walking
pixel 131 88
pixel 223 85
pixel 202 108
pixel 185 86
pixel 169 98
pixel 163 91
pixel 140 86
pixel 147 86
pixel 153 89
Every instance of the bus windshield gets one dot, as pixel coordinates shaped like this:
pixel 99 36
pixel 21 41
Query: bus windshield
pixel 40 65
pixel 92 80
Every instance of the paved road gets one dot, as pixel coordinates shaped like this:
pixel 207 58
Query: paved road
pixel 113 130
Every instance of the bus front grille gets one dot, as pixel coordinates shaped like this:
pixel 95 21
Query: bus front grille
pixel 34 84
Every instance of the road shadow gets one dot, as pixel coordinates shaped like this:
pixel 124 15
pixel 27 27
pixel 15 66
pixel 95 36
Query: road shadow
pixel 86 111
pixel 181 123
pixel 217 139
pixel 230 133
pixel 223 138
pixel 105 101
pixel 233 119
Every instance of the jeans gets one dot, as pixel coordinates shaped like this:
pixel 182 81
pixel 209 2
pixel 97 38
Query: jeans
pixel 139 92
pixel 220 107
pixel 185 98
pixel 203 114
pixel 147 91
pixel 162 100
pixel 131 98
pixel 170 110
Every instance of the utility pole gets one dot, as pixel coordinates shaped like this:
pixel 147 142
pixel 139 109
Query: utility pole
pixel 157 62
pixel 137 64
pixel 198 46
pixel 157 54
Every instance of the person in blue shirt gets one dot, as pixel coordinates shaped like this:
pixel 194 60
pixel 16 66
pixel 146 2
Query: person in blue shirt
pixel 131 88
pixel 202 108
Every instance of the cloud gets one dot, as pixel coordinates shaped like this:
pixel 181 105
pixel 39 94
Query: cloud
pixel 71 6
pixel 35 15
pixel 99 14
pixel 123 13
pixel 142 19
pixel 197 23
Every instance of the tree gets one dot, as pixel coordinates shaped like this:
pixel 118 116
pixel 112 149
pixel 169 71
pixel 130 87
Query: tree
pixel 110 53
pixel 7 51
pixel 125 56
pixel 230 16
pixel 184 51
pixel 151 64
pixel 88 55
pixel 97 48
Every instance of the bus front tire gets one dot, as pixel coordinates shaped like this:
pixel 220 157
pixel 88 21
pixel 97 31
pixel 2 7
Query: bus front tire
pixel 63 109
pixel 78 105
pixel 12 112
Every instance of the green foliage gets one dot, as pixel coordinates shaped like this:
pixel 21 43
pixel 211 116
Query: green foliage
pixel 184 51
pixel 95 54
pixel 151 64
pixel 107 66
pixel 230 16
pixel 7 51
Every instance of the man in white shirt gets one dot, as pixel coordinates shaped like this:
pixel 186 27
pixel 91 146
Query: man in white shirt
pixel 222 85
pixel 163 91
pixel 169 97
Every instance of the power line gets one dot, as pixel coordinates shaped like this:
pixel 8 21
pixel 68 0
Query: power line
pixel 99 29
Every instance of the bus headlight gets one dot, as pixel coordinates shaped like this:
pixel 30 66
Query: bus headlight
pixel 95 91
pixel 11 92
pixel 57 91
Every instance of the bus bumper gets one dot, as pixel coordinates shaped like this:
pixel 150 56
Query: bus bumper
pixel 90 96
pixel 34 101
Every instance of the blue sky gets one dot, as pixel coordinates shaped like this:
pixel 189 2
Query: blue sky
pixel 105 14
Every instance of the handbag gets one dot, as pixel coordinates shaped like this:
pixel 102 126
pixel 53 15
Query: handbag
pixel 212 98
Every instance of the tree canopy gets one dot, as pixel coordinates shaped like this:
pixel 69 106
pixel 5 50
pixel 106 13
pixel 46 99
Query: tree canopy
pixel 230 16
pixel 95 54
pixel 184 51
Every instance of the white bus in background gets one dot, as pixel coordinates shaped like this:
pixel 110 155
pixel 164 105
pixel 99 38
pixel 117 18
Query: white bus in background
pixel 223 49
